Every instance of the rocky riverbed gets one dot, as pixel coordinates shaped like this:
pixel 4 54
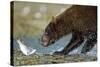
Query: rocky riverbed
pixel 20 59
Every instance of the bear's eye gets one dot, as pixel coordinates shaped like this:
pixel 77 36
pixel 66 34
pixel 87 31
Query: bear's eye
pixel 48 32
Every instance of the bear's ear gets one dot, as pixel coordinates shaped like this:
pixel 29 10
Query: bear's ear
pixel 54 19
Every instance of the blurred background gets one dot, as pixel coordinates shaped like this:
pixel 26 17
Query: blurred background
pixel 30 19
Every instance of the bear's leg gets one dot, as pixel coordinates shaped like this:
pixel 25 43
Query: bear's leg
pixel 76 40
pixel 91 41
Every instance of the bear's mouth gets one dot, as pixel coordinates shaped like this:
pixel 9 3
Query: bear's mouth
pixel 46 41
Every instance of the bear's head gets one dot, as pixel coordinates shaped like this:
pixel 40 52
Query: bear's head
pixel 50 34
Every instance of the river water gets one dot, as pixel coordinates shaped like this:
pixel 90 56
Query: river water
pixel 35 43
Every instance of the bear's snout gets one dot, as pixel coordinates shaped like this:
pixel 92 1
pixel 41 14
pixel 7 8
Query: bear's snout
pixel 45 40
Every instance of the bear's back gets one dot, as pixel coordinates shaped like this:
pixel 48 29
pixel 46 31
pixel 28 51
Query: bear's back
pixel 80 18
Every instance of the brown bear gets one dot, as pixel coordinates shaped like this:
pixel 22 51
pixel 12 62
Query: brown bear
pixel 79 20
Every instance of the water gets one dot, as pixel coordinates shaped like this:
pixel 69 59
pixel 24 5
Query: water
pixel 78 50
pixel 35 44
pixel 58 46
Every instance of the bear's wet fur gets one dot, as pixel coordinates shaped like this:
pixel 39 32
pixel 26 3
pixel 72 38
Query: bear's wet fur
pixel 78 20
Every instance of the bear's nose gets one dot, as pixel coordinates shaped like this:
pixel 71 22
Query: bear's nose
pixel 45 40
